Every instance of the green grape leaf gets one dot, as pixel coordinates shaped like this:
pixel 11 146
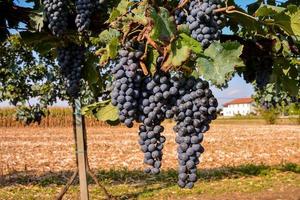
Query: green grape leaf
pixel 219 62
pixel 292 8
pixel 31 38
pixel 114 15
pixel 106 36
pixel 139 13
pixel 286 51
pixel 110 51
pixel 193 44
pixel 107 113
pixel 89 109
pixel 181 50
pixel 44 43
pixel 113 46
pixel 104 58
pixel 163 25
pixel 151 60
pixel 295 22
pixel 283 21
pixel 277 44
pixel 121 9
pixel 291 85
pixel 249 24
pixel 289 22
pixel 178 54
pixel 267 10
pixel 183 28
pixel 90 71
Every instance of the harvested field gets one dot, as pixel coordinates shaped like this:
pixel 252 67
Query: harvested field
pixel 41 159
pixel 52 149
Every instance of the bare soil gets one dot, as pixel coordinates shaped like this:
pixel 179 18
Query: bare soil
pixel 52 149
pixel 37 151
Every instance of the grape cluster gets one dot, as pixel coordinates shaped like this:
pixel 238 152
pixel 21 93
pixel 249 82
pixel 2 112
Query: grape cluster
pixel 126 87
pixel 84 10
pixel 57 16
pixel 271 96
pixel 151 142
pixel 259 62
pixel 71 60
pixel 152 99
pixel 196 108
pixel 153 109
pixel 258 69
pixel 203 22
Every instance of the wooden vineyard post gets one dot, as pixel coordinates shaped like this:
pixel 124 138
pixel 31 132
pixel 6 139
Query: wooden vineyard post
pixel 81 153
pixel 82 165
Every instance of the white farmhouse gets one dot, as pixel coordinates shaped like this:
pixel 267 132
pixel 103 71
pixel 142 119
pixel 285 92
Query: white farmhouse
pixel 242 106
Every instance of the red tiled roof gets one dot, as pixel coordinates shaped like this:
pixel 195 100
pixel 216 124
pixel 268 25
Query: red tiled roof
pixel 239 101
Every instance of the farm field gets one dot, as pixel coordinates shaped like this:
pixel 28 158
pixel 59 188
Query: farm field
pixel 240 162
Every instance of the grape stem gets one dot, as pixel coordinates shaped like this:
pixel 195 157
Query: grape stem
pixel 152 43
pixel 142 64
pixel 224 9
pixel 165 67
pixel 181 5
pixel 236 11
pixel 144 68
pixel 126 34
pixel 145 35
pixel 242 13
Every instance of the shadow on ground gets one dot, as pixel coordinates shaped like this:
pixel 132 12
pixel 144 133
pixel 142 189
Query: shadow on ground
pixel 125 176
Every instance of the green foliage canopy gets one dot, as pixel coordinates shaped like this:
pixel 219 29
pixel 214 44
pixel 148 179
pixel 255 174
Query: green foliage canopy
pixel 28 66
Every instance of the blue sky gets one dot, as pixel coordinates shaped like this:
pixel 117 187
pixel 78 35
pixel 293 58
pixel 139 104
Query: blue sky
pixel 237 86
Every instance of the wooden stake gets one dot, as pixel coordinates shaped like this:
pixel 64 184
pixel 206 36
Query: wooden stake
pixel 76 114
pixel 81 153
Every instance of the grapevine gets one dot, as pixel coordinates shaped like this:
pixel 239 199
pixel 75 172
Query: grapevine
pixel 142 62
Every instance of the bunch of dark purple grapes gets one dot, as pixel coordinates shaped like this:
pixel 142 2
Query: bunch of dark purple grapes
pixel 152 99
pixel 153 107
pixel 127 83
pixel 57 16
pixel 195 108
pixel 258 61
pixel 71 60
pixel 204 23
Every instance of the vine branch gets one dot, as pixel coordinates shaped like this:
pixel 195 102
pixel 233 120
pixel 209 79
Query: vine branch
pixel 182 4
pixel 224 9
